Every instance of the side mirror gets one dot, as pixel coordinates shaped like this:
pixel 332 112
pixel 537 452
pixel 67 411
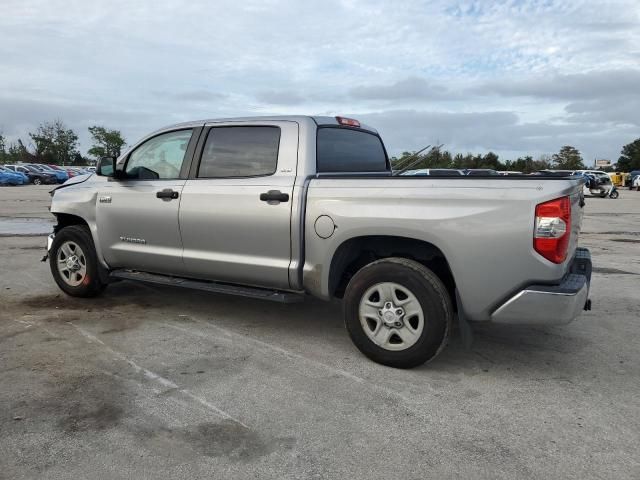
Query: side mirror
pixel 106 166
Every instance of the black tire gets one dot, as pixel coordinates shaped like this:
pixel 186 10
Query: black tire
pixel 91 284
pixel 37 181
pixel 614 195
pixel 429 291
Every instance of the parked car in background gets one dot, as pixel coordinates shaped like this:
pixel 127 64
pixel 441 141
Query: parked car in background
pixel 35 176
pixel 435 172
pixel 21 178
pixel 554 173
pixel 80 171
pixel 481 172
pixel 510 173
pixel 61 175
pixel 70 173
pixel 630 178
pixel 9 177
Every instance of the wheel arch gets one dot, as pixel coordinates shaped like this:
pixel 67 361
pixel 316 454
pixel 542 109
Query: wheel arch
pixel 356 252
pixel 67 219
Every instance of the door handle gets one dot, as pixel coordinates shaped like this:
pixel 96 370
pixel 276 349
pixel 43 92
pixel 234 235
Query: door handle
pixel 167 194
pixel 273 197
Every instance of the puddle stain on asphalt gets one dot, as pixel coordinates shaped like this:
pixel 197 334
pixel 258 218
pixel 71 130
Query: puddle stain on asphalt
pixel 95 304
pixel 77 404
pixel 612 271
pixel 225 439
pixel 625 240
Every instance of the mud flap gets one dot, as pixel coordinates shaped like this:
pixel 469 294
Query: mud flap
pixel 466 332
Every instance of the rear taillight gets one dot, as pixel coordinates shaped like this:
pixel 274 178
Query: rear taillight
pixel 553 229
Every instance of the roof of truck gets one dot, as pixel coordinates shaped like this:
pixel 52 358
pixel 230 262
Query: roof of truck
pixel 317 119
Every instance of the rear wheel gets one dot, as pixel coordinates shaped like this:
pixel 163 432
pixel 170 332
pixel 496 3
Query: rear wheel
pixel 398 312
pixel 37 181
pixel 73 262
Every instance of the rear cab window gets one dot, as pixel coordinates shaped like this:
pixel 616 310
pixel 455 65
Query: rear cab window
pixel 238 151
pixel 340 149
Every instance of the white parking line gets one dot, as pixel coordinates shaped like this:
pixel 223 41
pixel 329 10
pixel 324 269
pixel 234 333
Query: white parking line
pixel 165 382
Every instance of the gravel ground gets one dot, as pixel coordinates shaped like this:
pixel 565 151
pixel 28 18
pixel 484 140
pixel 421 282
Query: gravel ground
pixel 153 382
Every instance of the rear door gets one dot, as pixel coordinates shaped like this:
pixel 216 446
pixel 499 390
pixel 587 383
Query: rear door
pixel 235 212
pixel 137 216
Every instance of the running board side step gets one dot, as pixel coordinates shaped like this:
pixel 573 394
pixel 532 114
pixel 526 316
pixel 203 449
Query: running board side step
pixel 214 287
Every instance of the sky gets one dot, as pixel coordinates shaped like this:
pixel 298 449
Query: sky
pixel 513 77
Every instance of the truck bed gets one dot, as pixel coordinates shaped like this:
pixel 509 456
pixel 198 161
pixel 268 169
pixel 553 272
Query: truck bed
pixel 483 226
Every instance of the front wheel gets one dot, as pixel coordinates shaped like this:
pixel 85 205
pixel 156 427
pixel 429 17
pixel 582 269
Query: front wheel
pixel 37 181
pixel 398 312
pixel 614 194
pixel 74 264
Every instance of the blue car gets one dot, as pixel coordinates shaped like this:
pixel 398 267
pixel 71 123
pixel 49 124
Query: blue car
pixel 61 175
pixel 21 176
pixel 8 177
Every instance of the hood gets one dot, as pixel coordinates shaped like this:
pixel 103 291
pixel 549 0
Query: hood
pixel 73 181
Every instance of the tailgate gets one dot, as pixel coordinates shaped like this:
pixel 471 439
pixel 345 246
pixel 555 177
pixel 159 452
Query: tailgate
pixel 577 212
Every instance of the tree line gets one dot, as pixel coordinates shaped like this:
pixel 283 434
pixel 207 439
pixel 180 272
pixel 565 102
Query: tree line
pixel 568 158
pixel 54 143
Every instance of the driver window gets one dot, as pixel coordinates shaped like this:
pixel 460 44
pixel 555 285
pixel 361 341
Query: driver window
pixel 160 157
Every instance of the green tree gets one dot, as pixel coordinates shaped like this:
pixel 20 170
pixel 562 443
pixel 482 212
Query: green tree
pixel 568 158
pixel 630 157
pixel 17 152
pixel 106 143
pixel 3 149
pixel 54 143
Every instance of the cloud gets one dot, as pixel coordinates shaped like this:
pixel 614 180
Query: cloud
pixel 411 88
pixel 594 84
pixel 600 111
pixel 196 96
pixel 279 97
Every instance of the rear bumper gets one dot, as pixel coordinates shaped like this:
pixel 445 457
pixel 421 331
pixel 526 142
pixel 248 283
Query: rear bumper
pixel 551 304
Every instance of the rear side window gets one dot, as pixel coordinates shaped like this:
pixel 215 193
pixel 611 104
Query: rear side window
pixel 346 150
pixel 240 152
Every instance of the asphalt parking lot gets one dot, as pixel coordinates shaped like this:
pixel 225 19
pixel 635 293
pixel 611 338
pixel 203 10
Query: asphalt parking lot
pixel 153 382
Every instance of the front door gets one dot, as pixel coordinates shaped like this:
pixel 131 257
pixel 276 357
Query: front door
pixel 235 213
pixel 137 215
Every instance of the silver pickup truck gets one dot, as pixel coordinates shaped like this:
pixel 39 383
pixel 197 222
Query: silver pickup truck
pixel 282 207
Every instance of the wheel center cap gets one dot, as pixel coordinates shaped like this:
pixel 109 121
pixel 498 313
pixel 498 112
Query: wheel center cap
pixel 72 263
pixel 389 317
